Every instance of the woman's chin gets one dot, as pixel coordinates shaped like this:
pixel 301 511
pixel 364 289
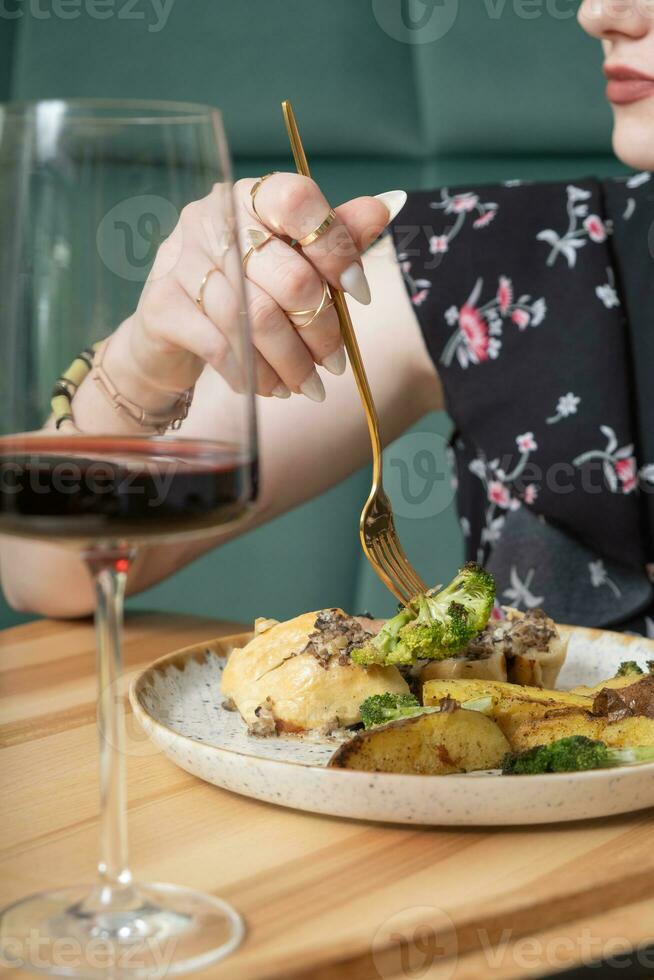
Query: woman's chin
pixel 633 135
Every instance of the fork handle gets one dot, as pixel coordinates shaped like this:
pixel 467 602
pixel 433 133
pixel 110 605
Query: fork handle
pixel 347 330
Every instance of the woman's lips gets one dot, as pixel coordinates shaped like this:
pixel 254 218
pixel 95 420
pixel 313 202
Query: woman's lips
pixel 626 85
pixel 632 90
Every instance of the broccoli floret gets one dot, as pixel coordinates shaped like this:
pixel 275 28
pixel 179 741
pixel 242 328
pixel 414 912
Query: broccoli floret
pixel 435 624
pixel 385 647
pixel 380 708
pixel 572 754
pixel 628 667
pixel 448 620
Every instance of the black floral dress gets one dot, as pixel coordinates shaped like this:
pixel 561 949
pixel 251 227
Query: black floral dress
pixel 536 302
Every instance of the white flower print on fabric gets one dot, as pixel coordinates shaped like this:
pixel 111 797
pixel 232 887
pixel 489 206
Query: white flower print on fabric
pixel 479 328
pixel 501 496
pixel 646 474
pixel 519 593
pixel 526 443
pixel 607 293
pixel 418 288
pixel 633 182
pixel 582 228
pixel 638 180
pixel 618 463
pixel 566 406
pixel 600 577
pixel 462 206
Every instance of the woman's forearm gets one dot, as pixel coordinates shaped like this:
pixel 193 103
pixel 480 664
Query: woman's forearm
pixel 305 448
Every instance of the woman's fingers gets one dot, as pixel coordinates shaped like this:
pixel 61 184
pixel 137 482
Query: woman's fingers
pixel 289 362
pixel 211 331
pixel 293 205
pixel 281 279
pixel 170 314
pixel 280 345
pixel 285 274
pixel 366 217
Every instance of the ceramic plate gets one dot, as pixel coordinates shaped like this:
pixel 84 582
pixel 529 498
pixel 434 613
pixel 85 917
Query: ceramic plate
pixel 178 702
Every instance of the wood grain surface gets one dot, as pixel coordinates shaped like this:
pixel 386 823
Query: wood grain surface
pixel 322 898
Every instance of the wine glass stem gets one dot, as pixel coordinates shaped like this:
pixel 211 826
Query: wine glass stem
pixel 109 569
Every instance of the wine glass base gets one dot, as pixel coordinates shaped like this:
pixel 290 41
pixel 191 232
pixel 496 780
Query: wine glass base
pixel 160 931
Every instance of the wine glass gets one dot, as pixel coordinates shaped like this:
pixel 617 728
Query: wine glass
pixel 88 190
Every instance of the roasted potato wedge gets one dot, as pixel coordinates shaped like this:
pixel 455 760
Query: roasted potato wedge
pixel 636 731
pixel 613 683
pixel 513 704
pixel 560 723
pixel 429 745
pixel 471 688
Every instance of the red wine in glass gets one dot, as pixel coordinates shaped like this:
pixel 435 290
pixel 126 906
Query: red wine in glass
pixel 97 487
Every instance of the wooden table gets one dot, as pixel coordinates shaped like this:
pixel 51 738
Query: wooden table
pixel 323 898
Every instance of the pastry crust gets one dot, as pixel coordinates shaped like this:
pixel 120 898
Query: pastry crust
pixel 280 686
pixel 525 648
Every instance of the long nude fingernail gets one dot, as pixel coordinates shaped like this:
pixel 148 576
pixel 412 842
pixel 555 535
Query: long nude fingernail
pixel 281 391
pixel 313 387
pixel 393 201
pixel 354 282
pixel 335 363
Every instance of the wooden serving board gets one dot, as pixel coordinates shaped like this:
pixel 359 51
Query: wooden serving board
pixel 322 897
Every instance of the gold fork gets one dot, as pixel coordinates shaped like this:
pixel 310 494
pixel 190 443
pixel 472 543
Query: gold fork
pixel 379 538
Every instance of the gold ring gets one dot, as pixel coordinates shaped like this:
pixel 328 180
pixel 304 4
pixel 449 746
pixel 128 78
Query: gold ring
pixel 256 240
pixel 314 312
pixel 320 230
pixel 255 187
pixel 199 299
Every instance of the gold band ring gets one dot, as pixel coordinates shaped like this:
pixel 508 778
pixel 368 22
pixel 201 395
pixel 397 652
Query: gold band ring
pixel 320 230
pixel 257 239
pixel 199 299
pixel 314 312
pixel 253 191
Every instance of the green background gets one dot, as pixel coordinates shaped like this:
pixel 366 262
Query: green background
pixel 512 89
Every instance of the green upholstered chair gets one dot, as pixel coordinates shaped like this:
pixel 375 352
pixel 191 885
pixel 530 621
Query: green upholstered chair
pixel 389 93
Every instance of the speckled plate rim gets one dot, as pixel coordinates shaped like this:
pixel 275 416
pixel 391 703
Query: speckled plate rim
pixel 197 651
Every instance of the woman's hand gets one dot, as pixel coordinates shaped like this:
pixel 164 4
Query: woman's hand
pixel 170 337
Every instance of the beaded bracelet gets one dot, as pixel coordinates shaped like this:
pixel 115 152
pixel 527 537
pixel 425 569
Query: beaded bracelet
pixel 90 360
pixel 67 384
